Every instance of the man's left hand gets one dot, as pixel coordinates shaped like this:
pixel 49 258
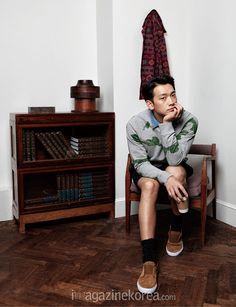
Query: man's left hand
pixel 175 114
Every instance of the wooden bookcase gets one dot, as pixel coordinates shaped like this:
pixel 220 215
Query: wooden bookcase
pixel 62 165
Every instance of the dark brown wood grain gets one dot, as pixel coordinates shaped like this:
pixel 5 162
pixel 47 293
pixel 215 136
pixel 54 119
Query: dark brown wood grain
pixel 74 262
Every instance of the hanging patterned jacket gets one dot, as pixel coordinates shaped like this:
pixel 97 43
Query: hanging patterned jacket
pixel 154 56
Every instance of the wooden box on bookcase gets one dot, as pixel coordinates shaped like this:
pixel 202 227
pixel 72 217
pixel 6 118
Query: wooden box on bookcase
pixel 62 165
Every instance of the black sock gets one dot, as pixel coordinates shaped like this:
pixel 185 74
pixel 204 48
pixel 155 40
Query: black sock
pixel 149 250
pixel 176 222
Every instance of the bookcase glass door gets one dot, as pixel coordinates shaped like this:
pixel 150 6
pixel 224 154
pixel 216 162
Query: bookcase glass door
pixel 66 188
pixel 67 142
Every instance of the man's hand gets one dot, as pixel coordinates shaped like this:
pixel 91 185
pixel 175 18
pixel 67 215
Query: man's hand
pixel 174 113
pixel 176 190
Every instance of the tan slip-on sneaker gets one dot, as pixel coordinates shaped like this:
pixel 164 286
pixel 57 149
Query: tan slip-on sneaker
pixel 174 244
pixel 183 206
pixel 147 282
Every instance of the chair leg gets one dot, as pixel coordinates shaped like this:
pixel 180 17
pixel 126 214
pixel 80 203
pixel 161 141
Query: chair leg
pixel 203 224
pixel 127 214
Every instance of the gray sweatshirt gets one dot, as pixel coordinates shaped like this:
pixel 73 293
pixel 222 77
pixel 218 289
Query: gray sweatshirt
pixel 152 144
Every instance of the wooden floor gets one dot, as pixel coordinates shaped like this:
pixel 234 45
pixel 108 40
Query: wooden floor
pixel 92 261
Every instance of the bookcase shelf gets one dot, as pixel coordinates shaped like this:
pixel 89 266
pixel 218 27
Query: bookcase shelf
pixel 62 165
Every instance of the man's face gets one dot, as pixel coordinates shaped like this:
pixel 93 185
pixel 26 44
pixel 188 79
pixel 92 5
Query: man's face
pixel 163 102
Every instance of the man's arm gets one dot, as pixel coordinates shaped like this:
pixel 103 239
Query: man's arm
pixel 177 146
pixel 139 156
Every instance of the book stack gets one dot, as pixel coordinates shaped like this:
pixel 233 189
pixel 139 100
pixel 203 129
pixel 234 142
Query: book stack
pixel 28 145
pixel 56 145
pixel 90 146
pixel 82 185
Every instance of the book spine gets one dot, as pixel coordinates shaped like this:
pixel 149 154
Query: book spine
pixel 92 147
pixel 87 139
pixel 69 151
pixel 24 145
pixel 59 187
pixel 72 190
pixel 28 150
pixel 76 189
pixel 67 176
pixel 32 146
pixel 88 143
pixel 51 138
pixel 63 188
pixel 50 149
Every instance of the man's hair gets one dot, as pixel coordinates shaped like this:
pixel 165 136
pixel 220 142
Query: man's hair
pixel 148 87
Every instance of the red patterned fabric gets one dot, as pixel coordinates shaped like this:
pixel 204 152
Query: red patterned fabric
pixel 154 57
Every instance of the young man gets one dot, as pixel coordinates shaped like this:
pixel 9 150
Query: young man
pixel 159 140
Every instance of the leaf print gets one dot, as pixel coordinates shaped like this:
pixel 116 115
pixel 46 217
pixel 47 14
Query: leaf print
pixel 152 142
pixel 147 125
pixel 173 148
pixel 194 125
pixel 136 138
pixel 138 161
pixel 183 132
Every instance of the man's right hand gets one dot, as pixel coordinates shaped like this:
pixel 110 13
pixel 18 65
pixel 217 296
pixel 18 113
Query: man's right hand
pixel 175 189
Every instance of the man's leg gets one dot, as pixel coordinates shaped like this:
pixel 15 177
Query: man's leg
pixel 147 223
pixel 147 207
pixel 175 244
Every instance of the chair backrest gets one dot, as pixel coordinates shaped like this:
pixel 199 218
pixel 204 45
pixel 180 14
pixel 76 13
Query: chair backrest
pixel 200 149
pixel 196 149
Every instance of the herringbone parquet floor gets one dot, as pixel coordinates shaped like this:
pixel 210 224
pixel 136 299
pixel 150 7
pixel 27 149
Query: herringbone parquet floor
pixel 92 261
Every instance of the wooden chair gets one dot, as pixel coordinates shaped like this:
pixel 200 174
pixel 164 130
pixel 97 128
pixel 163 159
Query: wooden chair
pixel 207 194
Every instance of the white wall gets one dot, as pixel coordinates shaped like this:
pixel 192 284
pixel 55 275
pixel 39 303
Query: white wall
pixel 211 91
pixel 45 47
pixel 105 54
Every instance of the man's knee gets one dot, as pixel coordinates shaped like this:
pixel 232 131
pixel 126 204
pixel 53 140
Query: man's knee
pixel 148 185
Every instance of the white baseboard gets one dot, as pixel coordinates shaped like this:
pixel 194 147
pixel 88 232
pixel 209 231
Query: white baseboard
pixel 225 212
pixel 6 204
pixel 120 208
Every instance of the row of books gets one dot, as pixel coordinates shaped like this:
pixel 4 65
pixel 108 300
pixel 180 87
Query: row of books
pixel 90 146
pixel 88 139
pixel 58 147
pixel 56 144
pixel 80 186
pixel 76 186
pixel 28 145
